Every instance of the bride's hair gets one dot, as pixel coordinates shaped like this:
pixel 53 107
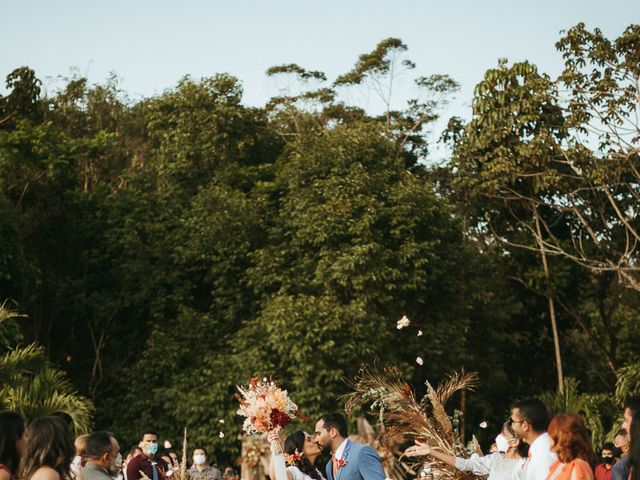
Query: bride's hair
pixel 295 442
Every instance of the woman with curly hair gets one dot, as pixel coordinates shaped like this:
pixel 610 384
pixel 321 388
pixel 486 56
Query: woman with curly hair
pixel 570 442
pixel 12 444
pixel 300 452
pixel 49 451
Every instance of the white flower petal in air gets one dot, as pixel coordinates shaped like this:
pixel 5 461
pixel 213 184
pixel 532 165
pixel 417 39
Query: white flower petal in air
pixel 403 322
pixel 483 425
pixel 419 361
pixel 221 435
pixel 419 333
pixel 221 421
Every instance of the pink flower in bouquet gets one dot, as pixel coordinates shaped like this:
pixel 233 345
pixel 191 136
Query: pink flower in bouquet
pixel 280 400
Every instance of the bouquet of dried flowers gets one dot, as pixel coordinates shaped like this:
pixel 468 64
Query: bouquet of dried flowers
pixel 265 406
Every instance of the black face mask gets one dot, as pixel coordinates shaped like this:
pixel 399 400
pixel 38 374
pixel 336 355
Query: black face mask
pixel 607 460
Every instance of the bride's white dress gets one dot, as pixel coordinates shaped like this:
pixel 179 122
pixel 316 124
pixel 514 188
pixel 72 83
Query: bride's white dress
pixel 298 475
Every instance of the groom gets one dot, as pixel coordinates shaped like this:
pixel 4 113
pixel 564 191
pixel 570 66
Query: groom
pixel 349 460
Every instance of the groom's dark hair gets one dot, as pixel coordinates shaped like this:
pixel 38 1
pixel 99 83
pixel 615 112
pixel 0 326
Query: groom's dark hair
pixel 335 420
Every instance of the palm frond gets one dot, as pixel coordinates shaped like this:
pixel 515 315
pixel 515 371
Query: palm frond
pixel 33 402
pixel 589 405
pixel 34 388
pixel 22 361
pixel 6 313
pixel 628 382
pixel 9 329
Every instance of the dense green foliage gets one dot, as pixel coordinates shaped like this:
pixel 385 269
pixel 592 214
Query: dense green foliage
pixel 169 248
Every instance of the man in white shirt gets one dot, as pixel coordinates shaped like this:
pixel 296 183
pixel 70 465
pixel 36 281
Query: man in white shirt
pixel 529 419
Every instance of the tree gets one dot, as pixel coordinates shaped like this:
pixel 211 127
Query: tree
pixel 600 103
pixel 510 155
pixel 22 101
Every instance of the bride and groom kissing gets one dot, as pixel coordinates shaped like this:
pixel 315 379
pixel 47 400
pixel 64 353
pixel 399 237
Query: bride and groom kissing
pixel 349 460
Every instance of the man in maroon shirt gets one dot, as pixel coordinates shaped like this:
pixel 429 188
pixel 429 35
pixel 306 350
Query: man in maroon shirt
pixel 148 464
pixel 603 470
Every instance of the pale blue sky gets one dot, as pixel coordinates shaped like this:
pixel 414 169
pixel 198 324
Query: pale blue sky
pixel 151 44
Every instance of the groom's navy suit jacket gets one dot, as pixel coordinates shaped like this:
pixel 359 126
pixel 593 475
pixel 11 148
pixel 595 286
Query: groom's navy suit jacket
pixel 361 462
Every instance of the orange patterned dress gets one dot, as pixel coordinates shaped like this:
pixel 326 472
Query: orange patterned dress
pixel 577 469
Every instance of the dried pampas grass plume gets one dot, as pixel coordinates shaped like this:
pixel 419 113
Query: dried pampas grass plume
pixel 403 418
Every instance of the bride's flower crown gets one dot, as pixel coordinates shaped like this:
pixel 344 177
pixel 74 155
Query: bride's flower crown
pixel 292 458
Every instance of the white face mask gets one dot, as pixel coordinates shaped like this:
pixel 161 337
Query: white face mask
pixel 199 459
pixel 502 443
pixel 76 465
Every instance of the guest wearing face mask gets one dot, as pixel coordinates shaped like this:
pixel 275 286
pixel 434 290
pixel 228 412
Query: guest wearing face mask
pixel 78 460
pixel 148 462
pixel 603 470
pixel 104 461
pixel 504 464
pixel 200 470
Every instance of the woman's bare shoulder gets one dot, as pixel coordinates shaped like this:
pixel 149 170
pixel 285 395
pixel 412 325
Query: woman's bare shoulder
pixel 4 475
pixel 45 473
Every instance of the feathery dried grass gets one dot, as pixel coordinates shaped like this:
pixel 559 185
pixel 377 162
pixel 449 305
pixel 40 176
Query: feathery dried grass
pixel 404 418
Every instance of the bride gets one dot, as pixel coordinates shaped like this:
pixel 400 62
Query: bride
pixel 301 453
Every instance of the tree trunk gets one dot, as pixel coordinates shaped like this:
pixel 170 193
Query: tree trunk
pixel 549 295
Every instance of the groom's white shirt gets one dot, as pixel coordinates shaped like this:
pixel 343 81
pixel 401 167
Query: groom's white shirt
pixel 340 450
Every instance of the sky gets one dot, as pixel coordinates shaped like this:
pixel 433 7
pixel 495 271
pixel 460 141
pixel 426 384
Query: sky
pixel 152 44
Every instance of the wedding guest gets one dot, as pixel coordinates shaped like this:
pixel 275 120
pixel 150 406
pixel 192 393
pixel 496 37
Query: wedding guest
pixel 78 461
pixel 148 462
pixel 353 460
pixel 301 452
pixel 570 442
pixel 171 458
pixel 12 444
pixel 620 470
pixel 230 474
pixel 503 464
pixel 200 470
pixel 49 450
pixel 529 419
pixel 621 442
pixel 607 459
pixel 103 459
pixel 174 458
pixel 134 451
